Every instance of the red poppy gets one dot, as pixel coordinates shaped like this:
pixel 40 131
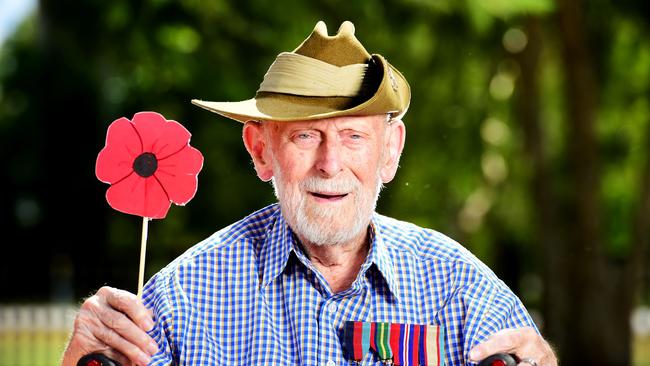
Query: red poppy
pixel 149 163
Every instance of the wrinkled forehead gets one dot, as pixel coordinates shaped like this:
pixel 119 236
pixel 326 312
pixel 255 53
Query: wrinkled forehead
pixel 370 121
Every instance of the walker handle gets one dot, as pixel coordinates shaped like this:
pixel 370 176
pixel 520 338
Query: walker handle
pixel 499 359
pixel 97 359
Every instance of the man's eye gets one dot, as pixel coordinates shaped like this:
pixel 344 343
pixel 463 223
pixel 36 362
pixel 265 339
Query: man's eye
pixel 355 137
pixel 304 138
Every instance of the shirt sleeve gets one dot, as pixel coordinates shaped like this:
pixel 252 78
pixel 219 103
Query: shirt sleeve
pixel 155 298
pixel 480 306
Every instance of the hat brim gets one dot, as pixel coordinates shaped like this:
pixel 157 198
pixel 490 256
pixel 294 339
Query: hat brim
pixel 392 96
pixel 278 107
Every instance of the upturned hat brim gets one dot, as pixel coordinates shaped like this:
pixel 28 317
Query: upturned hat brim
pixel 388 92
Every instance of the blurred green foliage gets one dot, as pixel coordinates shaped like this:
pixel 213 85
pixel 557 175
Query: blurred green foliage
pixel 75 66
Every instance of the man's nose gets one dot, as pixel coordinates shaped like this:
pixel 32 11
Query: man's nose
pixel 328 160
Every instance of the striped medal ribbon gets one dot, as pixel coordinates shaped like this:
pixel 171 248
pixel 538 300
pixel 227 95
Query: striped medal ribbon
pixel 395 343
pixel 357 339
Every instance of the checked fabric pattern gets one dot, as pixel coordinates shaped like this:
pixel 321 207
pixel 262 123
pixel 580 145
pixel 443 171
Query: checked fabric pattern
pixel 247 295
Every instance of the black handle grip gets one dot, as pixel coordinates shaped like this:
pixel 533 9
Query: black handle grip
pixel 97 359
pixel 500 359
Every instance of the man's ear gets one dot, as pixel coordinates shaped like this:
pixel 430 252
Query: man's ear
pixel 393 146
pixel 257 146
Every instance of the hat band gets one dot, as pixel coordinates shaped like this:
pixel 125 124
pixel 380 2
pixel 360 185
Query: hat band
pixel 292 73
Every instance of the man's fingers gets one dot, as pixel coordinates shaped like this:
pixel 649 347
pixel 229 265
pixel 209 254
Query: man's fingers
pixel 113 317
pixel 103 318
pixel 118 343
pixel 525 343
pixel 112 322
pixel 504 341
pixel 120 324
pixel 497 343
pixel 128 304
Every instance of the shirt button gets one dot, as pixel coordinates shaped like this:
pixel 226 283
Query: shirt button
pixel 331 363
pixel 332 308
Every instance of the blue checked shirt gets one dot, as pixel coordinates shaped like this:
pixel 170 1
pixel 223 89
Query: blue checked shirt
pixel 248 295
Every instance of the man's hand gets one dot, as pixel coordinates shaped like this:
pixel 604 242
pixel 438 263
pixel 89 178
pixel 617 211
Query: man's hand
pixel 525 343
pixel 113 322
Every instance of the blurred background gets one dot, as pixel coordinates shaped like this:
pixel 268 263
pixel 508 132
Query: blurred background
pixel 528 142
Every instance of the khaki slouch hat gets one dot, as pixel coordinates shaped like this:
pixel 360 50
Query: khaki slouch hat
pixel 326 76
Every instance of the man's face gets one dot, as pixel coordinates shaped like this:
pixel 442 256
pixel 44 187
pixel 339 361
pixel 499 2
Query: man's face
pixel 327 174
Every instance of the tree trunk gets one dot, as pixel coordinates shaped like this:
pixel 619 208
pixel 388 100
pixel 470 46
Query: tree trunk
pixel 547 237
pixel 594 334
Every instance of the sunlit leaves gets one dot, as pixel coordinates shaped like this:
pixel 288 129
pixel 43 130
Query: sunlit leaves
pixel 179 38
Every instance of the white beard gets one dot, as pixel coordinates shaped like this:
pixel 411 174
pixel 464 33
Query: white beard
pixel 319 224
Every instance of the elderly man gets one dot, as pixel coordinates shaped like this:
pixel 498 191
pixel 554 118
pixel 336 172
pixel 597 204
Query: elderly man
pixel 279 286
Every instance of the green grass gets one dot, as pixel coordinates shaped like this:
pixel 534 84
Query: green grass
pixel 31 348
pixel 641 350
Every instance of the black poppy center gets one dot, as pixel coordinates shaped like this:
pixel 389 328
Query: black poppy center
pixel 145 164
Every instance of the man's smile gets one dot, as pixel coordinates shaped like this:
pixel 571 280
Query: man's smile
pixel 328 196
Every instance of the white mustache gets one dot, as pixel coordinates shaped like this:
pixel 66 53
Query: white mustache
pixel 339 186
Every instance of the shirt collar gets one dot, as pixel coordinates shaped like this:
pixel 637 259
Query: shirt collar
pixel 380 256
pixel 278 245
pixel 275 250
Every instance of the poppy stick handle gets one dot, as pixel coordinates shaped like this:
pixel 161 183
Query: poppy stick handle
pixel 143 253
